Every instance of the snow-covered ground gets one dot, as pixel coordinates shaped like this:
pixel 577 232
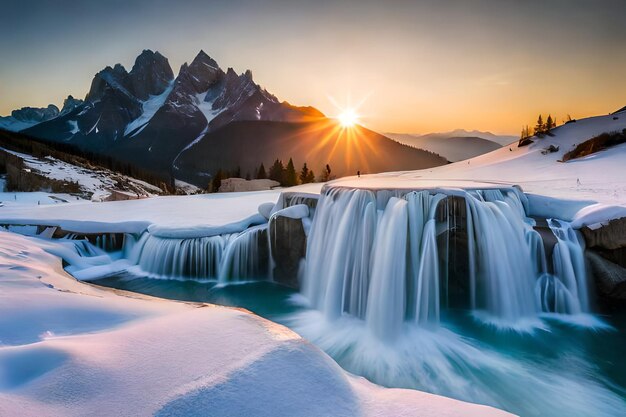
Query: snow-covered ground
pixel 202 213
pixel 600 177
pixel 71 349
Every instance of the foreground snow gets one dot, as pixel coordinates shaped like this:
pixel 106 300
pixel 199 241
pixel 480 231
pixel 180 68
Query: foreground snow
pixel 71 349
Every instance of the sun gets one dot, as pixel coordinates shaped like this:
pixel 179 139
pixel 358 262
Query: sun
pixel 348 118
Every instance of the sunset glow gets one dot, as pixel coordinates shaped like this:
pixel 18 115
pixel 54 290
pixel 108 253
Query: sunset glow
pixel 348 118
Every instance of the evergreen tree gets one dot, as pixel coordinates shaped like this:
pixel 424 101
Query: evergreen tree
pixel 236 173
pixel 310 177
pixel 248 177
pixel 304 174
pixel 216 182
pixel 261 174
pixel 291 178
pixel 540 127
pixel 549 123
pixel 277 171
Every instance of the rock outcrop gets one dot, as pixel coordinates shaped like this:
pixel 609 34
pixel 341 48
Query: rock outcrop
pixel 609 278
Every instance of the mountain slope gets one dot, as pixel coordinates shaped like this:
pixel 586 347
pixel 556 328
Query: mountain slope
pixel 246 144
pixel 453 148
pixel 599 177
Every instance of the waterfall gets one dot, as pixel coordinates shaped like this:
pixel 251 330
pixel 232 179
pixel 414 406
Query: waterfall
pixel 228 257
pixel 566 291
pixel 246 256
pixel 386 299
pixel 378 256
pixel 338 253
pixel 503 272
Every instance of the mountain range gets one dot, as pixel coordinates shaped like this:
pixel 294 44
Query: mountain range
pixel 204 119
pixel 455 145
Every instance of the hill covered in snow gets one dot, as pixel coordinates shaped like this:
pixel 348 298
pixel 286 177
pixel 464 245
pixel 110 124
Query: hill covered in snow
pixel 598 177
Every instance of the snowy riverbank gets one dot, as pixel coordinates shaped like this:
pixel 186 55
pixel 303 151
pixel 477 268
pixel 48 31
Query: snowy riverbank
pixel 72 349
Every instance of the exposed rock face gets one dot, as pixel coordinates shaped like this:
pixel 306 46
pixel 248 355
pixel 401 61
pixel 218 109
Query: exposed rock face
pixel 611 236
pixel 606 253
pixel 288 242
pixel 115 78
pixel 610 279
pixel 70 104
pixel 151 75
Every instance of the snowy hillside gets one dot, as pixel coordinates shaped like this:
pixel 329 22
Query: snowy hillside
pixel 599 177
pixel 93 183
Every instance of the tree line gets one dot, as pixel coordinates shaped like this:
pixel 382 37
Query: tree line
pixel 285 175
pixel 540 129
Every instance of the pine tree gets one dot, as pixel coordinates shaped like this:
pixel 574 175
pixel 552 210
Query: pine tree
pixel 277 171
pixel 540 127
pixel 310 177
pixel 549 124
pixel 261 174
pixel 291 178
pixel 304 174
pixel 236 173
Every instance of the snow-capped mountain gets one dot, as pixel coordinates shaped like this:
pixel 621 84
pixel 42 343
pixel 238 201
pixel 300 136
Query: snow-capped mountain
pixel 148 110
pixel 148 118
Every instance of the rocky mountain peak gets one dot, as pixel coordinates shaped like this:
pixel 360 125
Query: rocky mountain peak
pixel 112 78
pixel 70 103
pixel 151 74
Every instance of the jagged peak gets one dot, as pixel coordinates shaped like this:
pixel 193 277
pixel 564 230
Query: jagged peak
pixel 203 58
pixel 230 72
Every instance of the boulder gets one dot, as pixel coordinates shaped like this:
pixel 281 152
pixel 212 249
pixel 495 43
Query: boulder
pixel 610 278
pixel 609 236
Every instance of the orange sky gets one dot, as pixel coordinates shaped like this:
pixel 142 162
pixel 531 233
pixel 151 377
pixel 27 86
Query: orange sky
pixel 419 66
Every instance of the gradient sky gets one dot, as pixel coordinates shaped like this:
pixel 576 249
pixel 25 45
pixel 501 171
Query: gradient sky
pixel 419 66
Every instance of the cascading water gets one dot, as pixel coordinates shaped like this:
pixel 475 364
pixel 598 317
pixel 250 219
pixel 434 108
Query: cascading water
pixel 372 263
pixel 179 258
pixel 246 256
pixel 565 292
pixel 377 277
pixel 238 256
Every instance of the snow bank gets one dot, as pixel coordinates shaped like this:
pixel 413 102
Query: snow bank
pixel 167 216
pixel 298 211
pixel 559 208
pixel 597 214
pixel 72 349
